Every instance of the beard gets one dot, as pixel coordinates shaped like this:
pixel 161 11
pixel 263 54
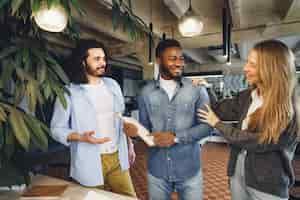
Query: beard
pixel 167 72
pixel 98 72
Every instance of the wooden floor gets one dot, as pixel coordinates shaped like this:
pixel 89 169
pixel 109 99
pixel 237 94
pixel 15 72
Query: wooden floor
pixel 214 159
pixel 214 162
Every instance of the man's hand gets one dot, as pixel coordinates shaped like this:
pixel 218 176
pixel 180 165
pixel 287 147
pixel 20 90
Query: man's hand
pixel 164 139
pixel 130 129
pixel 89 138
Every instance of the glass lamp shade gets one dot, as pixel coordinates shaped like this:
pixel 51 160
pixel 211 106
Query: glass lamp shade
pixel 190 25
pixel 53 19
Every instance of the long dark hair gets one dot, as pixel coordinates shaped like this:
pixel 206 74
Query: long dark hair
pixel 75 68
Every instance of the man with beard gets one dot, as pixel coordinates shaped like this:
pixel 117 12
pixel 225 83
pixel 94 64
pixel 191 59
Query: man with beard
pixel 168 108
pixel 100 156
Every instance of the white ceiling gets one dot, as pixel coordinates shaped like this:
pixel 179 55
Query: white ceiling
pixel 253 20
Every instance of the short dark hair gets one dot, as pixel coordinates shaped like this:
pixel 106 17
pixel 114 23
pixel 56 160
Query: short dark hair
pixel 164 44
pixel 79 55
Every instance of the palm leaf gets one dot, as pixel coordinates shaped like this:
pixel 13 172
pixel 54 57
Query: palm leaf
pixel 60 94
pixel 7 51
pixel 47 90
pixel 35 5
pixel 58 70
pixel 6 74
pixel 15 5
pixel 39 136
pixel 19 128
pixel 3 115
pixel 19 92
pixel 24 75
pixel 31 96
pixel 41 72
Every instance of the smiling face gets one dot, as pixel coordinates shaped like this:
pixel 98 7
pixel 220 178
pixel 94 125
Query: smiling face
pixel 251 68
pixel 95 63
pixel 171 63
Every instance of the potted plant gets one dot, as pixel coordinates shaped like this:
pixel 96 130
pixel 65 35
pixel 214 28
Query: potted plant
pixel 30 75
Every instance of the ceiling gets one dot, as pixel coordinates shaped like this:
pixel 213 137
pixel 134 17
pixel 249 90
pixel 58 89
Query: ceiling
pixel 253 20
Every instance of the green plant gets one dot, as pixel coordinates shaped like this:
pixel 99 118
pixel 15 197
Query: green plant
pixel 28 72
pixel 122 15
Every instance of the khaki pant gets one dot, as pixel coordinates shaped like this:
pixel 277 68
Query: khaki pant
pixel 116 180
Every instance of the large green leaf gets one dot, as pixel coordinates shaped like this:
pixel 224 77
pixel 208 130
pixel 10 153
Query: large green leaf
pixel 15 5
pixel 25 55
pixel 3 115
pixel 19 92
pixel 7 51
pixel 41 72
pixel 35 5
pixel 24 75
pixel 47 90
pixel 60 93
pixel 6 74
pixel 38 135
pixel 58 70
pixel 19 128
pixel 31 96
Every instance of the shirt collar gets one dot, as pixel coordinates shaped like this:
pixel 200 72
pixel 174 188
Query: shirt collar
pixel 157 82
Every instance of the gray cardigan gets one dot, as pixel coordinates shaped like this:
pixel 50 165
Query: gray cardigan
pixel 268 167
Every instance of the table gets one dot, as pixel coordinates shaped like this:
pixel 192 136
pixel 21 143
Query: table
pixel 73 192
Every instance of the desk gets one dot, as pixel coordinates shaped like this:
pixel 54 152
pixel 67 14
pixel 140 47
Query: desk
pixel 73 192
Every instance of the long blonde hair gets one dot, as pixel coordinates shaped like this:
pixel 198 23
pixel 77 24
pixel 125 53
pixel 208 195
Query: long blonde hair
pixel 277 84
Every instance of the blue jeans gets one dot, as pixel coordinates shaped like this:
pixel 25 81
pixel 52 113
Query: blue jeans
pixel 189 189
pixel 238 187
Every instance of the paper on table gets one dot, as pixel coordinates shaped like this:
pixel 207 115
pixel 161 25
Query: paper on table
pixel 142 131
pixel 92 195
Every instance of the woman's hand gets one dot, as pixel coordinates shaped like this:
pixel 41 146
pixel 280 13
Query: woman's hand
pixel 208 116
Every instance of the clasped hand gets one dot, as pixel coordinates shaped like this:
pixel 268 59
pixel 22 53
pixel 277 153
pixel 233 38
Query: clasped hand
pixel 163 139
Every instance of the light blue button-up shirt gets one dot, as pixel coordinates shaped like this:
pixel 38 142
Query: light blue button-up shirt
pixel 80 116
pixel 179 115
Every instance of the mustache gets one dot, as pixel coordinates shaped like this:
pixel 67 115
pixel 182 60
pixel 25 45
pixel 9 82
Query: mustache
pixel 101 67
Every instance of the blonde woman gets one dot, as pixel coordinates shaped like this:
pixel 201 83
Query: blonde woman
pixel 263 143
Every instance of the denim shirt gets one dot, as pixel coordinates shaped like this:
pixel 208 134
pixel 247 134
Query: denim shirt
pixel 179 115
pixel 80 116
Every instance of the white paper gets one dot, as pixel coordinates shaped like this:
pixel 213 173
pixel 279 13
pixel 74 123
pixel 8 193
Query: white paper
pixel 142 131
pixel 92 195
